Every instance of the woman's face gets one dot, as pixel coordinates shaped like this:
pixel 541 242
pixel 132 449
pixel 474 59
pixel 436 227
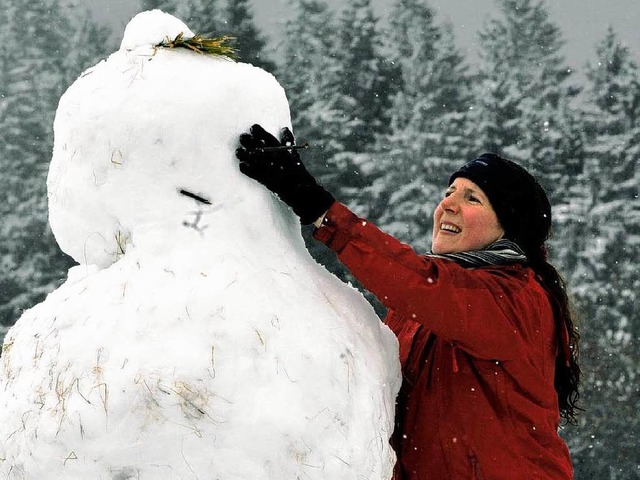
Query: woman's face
pixel 464 220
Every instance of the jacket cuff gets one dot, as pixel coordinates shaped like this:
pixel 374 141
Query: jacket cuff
pixel 338 227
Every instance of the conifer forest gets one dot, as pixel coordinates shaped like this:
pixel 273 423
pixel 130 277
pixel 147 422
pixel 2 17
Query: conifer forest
pixel 390 113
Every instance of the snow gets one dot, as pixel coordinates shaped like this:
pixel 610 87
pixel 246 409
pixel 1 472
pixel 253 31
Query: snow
pixel 152 28
pixel 193 340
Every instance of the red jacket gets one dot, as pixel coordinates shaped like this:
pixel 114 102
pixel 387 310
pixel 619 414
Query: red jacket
pixel 477 348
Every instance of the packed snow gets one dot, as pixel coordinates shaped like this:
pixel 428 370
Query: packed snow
pixel 197 338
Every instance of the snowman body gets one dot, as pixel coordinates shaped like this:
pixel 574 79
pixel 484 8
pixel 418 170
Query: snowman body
pixel 196 339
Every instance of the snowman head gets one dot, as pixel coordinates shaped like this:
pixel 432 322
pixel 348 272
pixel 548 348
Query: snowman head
pixel 144 145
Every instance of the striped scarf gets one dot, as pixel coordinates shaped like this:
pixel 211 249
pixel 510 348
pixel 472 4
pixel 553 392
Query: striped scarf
pixel 500 252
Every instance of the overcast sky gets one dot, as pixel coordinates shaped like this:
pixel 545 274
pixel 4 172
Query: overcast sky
pixel 583 22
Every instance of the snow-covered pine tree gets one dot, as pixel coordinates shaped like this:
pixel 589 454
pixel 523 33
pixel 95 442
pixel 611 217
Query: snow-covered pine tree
pixel 606 282
pixel 523 108
pixel 203 17
pixel 250 43
pixel 310 75
pixel 365 82
pixel 47 44
pixel 428 112
pixel 363 94
pixel 614 119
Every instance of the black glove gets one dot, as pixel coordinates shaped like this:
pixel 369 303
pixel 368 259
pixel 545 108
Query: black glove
pixel 282 172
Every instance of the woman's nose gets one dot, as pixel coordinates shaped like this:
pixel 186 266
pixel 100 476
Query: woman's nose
pixel 450 204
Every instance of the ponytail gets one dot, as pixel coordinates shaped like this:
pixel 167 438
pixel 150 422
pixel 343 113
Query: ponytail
pixel 567 372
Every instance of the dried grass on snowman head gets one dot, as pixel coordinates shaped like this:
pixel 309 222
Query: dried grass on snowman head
pixel 216 46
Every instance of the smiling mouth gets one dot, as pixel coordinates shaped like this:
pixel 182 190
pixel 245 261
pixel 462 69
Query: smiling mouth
pixel 447 227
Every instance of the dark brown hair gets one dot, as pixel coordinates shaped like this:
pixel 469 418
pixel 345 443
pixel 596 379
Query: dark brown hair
pixel 567 373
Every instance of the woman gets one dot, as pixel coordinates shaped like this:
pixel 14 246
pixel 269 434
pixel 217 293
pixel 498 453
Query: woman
pixel 487 343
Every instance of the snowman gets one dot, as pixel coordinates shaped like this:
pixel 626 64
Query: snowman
pixel 196 338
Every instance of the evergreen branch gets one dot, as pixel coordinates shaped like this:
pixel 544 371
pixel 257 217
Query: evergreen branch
pixel 216 46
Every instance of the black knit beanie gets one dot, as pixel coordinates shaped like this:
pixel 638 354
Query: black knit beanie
pixel 520 202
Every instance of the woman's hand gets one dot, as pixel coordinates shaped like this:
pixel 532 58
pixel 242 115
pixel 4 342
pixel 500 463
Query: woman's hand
pixel 280 169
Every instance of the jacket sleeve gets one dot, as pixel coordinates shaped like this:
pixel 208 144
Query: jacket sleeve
pixel 470 308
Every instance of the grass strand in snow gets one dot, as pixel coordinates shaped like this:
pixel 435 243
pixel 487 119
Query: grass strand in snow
pixel 216 46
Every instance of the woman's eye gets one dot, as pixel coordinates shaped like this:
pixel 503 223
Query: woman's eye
pixel 474 199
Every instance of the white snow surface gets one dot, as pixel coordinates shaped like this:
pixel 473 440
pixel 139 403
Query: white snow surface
pixel 193 341
pixel 151 28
